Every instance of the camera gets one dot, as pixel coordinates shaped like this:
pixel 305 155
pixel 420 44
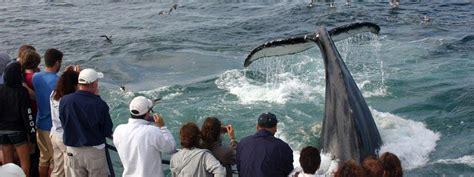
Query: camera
pixel 224 129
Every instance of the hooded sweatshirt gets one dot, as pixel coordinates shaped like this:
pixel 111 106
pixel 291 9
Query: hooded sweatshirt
pixel 195 162
pixel 15 106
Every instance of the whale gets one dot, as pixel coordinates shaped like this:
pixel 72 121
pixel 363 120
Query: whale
pixel 349 131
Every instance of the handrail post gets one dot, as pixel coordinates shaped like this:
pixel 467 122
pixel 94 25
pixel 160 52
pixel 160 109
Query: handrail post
pixel 109 161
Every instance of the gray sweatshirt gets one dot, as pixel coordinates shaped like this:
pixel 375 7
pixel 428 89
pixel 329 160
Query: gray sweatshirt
pixel 195 163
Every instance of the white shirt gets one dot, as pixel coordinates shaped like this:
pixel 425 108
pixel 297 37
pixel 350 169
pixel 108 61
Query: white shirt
pixel 57 128
pixel 139 145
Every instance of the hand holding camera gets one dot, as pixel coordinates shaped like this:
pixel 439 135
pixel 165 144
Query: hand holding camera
pixel 158 120
pixel 229 130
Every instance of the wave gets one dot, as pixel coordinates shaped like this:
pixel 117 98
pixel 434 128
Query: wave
pixel 411 141
pixel 465 160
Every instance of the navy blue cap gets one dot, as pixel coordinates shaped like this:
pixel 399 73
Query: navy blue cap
pixel 267 120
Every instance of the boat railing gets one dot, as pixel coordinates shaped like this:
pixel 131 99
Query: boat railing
pixel 109 148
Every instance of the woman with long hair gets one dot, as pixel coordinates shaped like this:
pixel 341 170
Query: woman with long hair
pixel 211 132
pixel 192 161
pixel 67 84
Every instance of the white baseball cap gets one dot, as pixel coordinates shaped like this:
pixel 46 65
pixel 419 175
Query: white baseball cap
pixel 140 105
pixel 89 75
pixel 11 170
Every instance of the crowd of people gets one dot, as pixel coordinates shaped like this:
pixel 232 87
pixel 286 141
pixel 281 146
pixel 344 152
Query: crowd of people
pixel 56 124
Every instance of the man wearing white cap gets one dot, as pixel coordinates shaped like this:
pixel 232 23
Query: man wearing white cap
pixel 86 122
pixel 139 144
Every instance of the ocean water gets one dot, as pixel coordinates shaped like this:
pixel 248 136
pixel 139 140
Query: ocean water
pixel 416 76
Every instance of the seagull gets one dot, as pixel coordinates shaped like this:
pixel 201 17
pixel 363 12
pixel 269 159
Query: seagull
pixel 311 3
pixel 107 38
pixel 426 19
pixel 394 3
pixel 173 7
pixel 163 13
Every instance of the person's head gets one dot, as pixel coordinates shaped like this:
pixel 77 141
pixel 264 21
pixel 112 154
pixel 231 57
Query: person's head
pixel 30 60
pixel 189 135
pixel 22 49
pixel 350 169
pixel 210 132
pixel 267 121
pixel 310 159
pixel 140 107
pixel 372 166
pixel 12 75
pixel 67 84
pixel 392 166
pixel 89 80
pixel 53 59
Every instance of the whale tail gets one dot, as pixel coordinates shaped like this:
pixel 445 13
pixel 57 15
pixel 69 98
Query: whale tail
pixel 281 47
pixel 299 44
pixel 349 130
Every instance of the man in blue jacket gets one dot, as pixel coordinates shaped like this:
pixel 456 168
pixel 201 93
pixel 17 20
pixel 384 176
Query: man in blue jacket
pixel 262 154
pixel 86 122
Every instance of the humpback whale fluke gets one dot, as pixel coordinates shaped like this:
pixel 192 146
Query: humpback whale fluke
pixel 349 130
pixel 301 43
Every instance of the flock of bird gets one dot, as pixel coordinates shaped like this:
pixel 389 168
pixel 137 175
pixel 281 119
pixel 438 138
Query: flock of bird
pixel 393 3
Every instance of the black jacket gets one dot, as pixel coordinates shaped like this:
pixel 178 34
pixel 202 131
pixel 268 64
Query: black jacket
pixel 15 106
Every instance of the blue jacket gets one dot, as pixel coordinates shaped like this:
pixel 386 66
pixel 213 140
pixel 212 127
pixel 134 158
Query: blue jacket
pixel 85 119
pixel 263 155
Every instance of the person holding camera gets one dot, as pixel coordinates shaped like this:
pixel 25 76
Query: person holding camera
pixel 139 144
pixel 211 132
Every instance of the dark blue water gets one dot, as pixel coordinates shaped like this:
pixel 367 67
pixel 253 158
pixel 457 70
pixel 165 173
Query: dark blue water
pixel 417 76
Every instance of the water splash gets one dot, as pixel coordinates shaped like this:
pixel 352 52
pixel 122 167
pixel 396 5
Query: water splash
pixel 365 63
pixel 411 141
